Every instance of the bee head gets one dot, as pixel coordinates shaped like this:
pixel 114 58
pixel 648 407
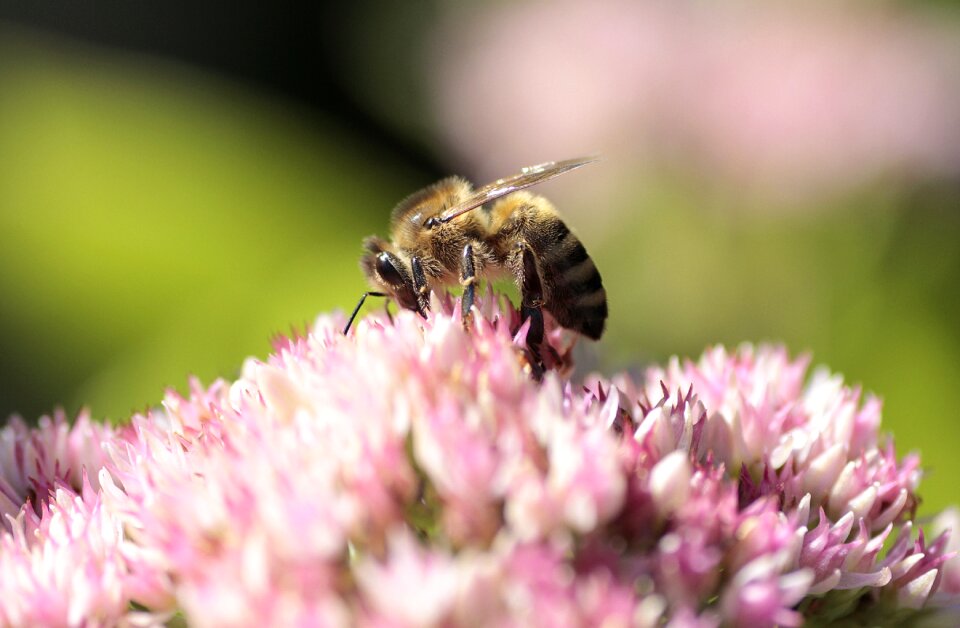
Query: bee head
pixel 390 271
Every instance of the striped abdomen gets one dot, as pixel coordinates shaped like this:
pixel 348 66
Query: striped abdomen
pixel 573 289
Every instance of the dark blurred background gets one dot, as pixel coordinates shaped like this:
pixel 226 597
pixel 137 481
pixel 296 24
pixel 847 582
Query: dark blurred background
pixel 180 181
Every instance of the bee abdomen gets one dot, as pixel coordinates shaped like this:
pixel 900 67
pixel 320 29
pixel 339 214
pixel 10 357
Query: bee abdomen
pixel 577 298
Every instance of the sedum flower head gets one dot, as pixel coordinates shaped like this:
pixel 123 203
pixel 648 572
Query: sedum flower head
pixel 414 473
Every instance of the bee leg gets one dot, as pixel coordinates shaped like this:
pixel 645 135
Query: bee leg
pixel 531 294
pixel 420 287
pixel 468 279
pixel 356 310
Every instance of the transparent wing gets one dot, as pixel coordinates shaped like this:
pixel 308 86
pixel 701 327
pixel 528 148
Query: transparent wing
pixel 532 175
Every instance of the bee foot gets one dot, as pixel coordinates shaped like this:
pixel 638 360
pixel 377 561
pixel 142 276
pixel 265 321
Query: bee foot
pixel 531 363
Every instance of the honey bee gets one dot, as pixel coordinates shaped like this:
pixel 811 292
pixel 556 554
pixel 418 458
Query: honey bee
pixel 451 233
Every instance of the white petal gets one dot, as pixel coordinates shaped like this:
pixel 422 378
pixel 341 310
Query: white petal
pixel 670 482
pixel 916 592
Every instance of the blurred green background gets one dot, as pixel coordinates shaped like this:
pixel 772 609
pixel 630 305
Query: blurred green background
pixel 177 184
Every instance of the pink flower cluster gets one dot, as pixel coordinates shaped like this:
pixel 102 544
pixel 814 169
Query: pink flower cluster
pixel 413 473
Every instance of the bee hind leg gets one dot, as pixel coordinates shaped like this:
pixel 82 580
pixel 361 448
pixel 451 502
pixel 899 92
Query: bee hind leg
pixel 468 279
pixel 531 295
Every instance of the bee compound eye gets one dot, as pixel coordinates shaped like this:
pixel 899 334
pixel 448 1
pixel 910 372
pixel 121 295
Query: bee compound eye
pixel 387 270
pixel 431 222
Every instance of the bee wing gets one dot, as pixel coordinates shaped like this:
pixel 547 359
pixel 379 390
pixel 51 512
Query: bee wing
pixel 531 175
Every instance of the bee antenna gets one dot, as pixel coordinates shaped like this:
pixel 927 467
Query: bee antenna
pixel 356 310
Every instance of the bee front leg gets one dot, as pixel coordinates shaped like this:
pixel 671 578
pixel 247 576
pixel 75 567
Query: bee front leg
pixel 420 287
pixel 468 279
pixel 531 295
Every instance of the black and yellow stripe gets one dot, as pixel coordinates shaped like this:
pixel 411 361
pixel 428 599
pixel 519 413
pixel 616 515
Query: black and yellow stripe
pixel 576 297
